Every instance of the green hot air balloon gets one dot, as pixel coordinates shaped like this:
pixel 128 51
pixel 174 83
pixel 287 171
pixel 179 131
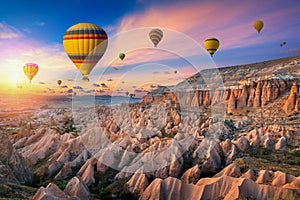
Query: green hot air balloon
pixel 122 56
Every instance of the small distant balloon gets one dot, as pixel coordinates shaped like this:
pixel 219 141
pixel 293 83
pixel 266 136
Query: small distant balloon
pixel 175 72
pixel 122 56
pixel 258 25
pixel 127 93
pixel 211 45
pixel 155 36
pixel 59 82
pixel 30 70
pixel 19 86
pixel 282 44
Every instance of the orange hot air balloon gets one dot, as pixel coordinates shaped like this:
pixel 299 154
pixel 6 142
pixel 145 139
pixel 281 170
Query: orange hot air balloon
pixel 30 70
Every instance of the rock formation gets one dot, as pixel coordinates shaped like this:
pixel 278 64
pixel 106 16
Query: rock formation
pixel 292 102
pixel 228 184
pixel 13 168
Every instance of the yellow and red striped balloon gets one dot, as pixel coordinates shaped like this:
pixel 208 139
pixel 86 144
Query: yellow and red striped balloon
pixel 85 44
pixel 30 70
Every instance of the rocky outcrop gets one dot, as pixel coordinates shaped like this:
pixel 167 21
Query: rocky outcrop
pixel 191 175
pixel 228 184
pixel 138 183
pixel 292 102
pixel 51 192
pixel 76 188
pixel 232 103
pixel 13 168
pixel 272 137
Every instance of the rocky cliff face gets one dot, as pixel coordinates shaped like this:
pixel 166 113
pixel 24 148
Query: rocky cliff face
pixel 257 94
pixel 292 103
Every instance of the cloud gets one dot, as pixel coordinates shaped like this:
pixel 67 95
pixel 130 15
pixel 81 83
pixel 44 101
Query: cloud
pixel 100 91
pixel 41 23
pixel 153 86
pixel 294 50
pixel 89 91
pixel 109 79
pixel 134 86
pixel 64 86
pixel 140 91
pixel 41 83
pixel 96 85
pixel 70 80
pixel 8 32
pixel 103 85
pixel 229 21
pixel 77 88
pixel 70 91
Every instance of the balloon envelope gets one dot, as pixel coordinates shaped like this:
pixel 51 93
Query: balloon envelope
pixel 85 44
pixel 155 36
pixel 30 70
pixel 258 25
pixel 211 45
pixel 121 56
pixel 59 82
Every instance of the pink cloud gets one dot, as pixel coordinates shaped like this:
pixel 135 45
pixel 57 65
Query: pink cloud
pixel 229 21
pixel 8 32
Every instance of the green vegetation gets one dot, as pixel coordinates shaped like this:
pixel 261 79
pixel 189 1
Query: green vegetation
pixel 259 158
pixel 16 192
pixel 62 185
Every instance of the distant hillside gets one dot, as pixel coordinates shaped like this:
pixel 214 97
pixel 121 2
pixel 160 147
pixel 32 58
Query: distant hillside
pixel 234 76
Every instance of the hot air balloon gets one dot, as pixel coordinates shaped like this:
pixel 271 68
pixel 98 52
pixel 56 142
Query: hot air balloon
pixel 85 44
pixel 30 70
pixel 284 43
pixel 59 82
pixel 175 72
pixel 121 56
pixel 211 45
pixel 258 25
pixel 155 36
pixel 281 44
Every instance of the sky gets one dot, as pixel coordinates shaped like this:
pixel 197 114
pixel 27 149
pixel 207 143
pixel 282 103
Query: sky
pixel 32 31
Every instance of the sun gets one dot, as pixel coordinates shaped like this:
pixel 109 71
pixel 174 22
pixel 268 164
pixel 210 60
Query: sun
pixel 15 79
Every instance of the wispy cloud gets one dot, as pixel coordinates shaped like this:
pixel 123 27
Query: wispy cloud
pixel 77 87
pixel 96 85
pixel 41 23
pixel 231 22
pixel 8 32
